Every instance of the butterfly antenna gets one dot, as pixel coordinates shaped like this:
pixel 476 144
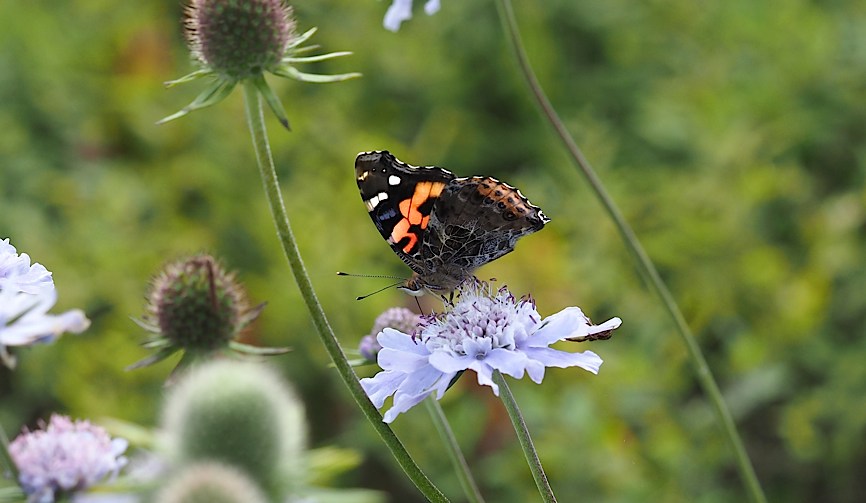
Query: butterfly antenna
pixel 362 297
pixel 400 281
pixel 340 273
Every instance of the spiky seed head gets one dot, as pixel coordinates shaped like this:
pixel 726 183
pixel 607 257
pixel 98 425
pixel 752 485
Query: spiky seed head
pixel 242 414
pixel 210 482
pixel 197 305
pixel 239 38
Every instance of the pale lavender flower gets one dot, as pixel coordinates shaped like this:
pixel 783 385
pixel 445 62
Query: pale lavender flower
pixel 65 457
pixel 369 347
pixel 17 274
pixel 24 320
pixel 483 332
pixel 401 10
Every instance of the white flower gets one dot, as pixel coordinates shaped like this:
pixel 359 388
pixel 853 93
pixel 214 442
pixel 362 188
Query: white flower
pixel 26 294
pixel 64 457
pixel 401 10
pixel 16 272
pixel 24 320
pixel 485 331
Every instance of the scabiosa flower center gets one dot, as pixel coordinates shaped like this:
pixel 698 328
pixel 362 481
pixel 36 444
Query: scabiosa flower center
pixel 239 38
pixel 481 321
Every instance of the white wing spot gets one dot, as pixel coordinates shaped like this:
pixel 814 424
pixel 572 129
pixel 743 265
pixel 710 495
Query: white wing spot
pixel 393 180
pixel 375 200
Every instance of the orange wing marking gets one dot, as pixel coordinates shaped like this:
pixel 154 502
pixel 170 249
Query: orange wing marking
pixel 409 208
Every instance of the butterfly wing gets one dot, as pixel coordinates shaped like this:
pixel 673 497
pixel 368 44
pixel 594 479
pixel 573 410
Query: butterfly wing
pixel 400 199
pixel 476 221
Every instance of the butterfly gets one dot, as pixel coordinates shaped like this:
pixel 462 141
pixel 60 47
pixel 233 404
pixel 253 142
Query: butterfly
pixel 442 226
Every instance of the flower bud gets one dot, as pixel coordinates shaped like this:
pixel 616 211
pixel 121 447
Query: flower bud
pixel 197 305
pixel 210 483
pixel 239 38
pixel 398 318
pixel 240 414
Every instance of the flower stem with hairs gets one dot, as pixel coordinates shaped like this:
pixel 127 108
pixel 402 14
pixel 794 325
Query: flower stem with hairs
pixel 255 121
pixel 470 488
pixel 643 262
pixel 525 440
pixel 6 458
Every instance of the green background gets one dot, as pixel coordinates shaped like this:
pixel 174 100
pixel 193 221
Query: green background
pixel 732 134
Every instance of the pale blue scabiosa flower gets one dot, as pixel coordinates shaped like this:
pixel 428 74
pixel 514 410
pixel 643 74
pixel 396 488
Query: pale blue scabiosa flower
pixel 398 318
pixel 65 457
pixel 486 330
pixel 24 320
pixel 401 10
pixel 26 294
pixel 237 40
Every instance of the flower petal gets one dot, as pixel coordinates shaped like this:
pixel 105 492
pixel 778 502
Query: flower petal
pixel 394 339
pixel 382 385
pixel 402 405
pixel 508 362
pixel 554 358
pixel 443 384
pixel 485 376
pixel 535 369
pixel 36 327
pixel 399 11
pixel 450 362
pixel 392 359
pixel 419 382
pixel 556 327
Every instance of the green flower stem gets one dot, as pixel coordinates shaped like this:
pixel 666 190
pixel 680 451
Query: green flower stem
pixel 6 457
pixel 256 123
pixel 457 459
pixel 644 264
pixel 525 440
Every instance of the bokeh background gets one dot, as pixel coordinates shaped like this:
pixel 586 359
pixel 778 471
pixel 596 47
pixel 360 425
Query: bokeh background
pixel 731 133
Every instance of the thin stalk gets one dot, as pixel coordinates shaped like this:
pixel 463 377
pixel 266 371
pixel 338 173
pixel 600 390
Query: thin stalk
pixel 644 264
pixel 525 440
pixel 457 459
pixel 6 457
pixel 256 123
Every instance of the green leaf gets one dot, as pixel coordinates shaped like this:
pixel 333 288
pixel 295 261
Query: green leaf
pixel 157 343
pixel 257 351
pixel 293 73
pixel 212 95
pixel 272 100
pixel 312 59
pixel 188 78
pixel 150 327
pixel 154 358
pixel 12 494
pixel 302 38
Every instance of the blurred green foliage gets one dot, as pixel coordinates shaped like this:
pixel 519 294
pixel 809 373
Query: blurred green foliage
pixel 733 135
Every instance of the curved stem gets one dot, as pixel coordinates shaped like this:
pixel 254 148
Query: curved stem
pixel 256 123
pixel 6 456
pixel 526 444
pixel 457 459
pixel 644 264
